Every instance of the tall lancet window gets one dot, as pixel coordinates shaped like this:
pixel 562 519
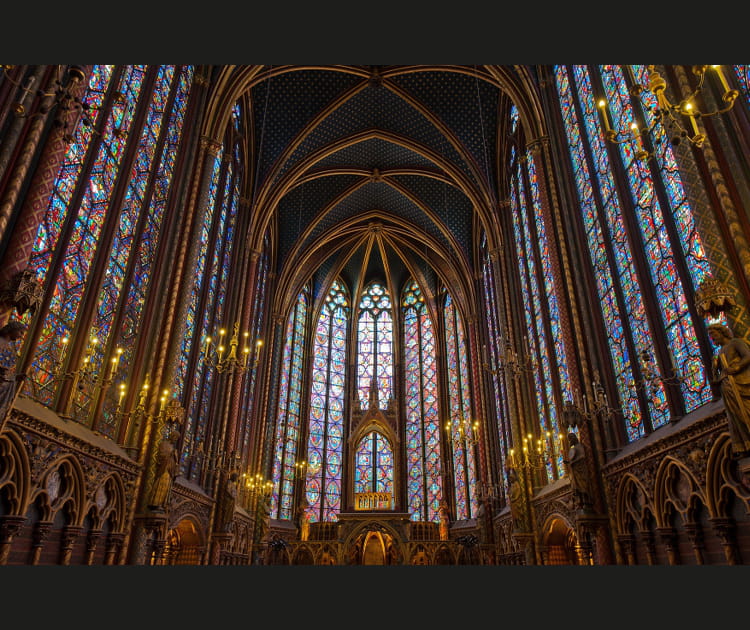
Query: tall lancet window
pixel 542 345
pixel 494 350
pixel 288 411
pixel 643 244
pixel 373 464
pixel 326 424
pixel 205 312
pixel 102 232
pixel 375 345
pixel 462 453
pixel 424 488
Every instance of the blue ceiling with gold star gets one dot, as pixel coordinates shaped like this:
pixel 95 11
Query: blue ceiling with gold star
pixel 395 159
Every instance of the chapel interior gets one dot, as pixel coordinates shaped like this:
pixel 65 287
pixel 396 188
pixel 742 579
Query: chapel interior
pixel 374 315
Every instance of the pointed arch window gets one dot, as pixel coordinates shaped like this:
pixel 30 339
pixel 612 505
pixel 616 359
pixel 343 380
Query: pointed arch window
pixel 326 423
pixel 373 464
pixel 462 454
pixel 643 244
pixel 424 487
pixel 91 217
pixel 375 345
pixel 494 351
pixel 288 410
pixel 205 311
pixel 542 342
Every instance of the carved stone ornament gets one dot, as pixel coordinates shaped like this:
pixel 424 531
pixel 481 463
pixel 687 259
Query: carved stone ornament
pixel 713 297
pixel 101 499
pixel 52 485
pixel 23 291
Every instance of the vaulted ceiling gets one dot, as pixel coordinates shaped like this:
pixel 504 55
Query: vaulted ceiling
pixel 375 171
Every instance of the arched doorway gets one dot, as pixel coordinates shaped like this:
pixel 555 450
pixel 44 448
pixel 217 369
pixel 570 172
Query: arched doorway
pixel 560 543
pixel 184 544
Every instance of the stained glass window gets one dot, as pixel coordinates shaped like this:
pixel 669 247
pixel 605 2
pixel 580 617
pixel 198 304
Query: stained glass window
pixel 743 78
pixel 542 351
pixel 373 464
pixel 459 428
pixel 326 424
pixel 375 346
pixel 91 217
pixel 424 488
pixel 493 351
pixel 663 235
pixel 288 411
pixel 206 315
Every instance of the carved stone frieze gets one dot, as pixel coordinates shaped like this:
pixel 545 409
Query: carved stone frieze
pixel 34 429
pixel 690 446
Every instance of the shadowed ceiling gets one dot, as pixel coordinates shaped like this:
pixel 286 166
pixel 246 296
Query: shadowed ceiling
pixel 375 172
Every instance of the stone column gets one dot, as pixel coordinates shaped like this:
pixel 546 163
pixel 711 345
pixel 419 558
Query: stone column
pixel 39 536
pixel 9 527
pixel 70 534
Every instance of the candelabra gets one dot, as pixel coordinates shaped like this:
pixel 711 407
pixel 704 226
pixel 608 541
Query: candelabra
pixel 86 378
pixel 490 492
pixel 230 361
pixel 574 412
pixel 61 98
pixel 670 114
pixel 510 361
pixel 536 454
pixel 258 490
pixel 653 379
pixel 467 430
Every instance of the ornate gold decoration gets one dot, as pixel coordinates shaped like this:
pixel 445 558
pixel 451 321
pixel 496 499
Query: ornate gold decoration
pixel 713 297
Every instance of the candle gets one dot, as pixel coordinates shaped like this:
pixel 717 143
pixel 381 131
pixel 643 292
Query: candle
pixel 64 350
pixel 636 137
pixel 603 107
pixel 724 83
pixel 689 113
pixel 122 393
pixel 115 363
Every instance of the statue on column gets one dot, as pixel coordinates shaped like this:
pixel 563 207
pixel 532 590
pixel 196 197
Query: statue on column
pixel 518 510
pixel 577 466
pixel 166 470
pixel 444 520
pixel 730 370
pixel 303 519
pixel 228 502
pixel 263 516
pixel 10 334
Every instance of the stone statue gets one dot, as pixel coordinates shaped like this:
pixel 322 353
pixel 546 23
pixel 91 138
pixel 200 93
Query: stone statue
pixel 228 502
pixel 303 519
pixel 481 518
pixel 517 503
pixel 444 519
pixel 577 466
pixel 10 334
pixel 731 372
pixel 166 471
pixel 263 516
